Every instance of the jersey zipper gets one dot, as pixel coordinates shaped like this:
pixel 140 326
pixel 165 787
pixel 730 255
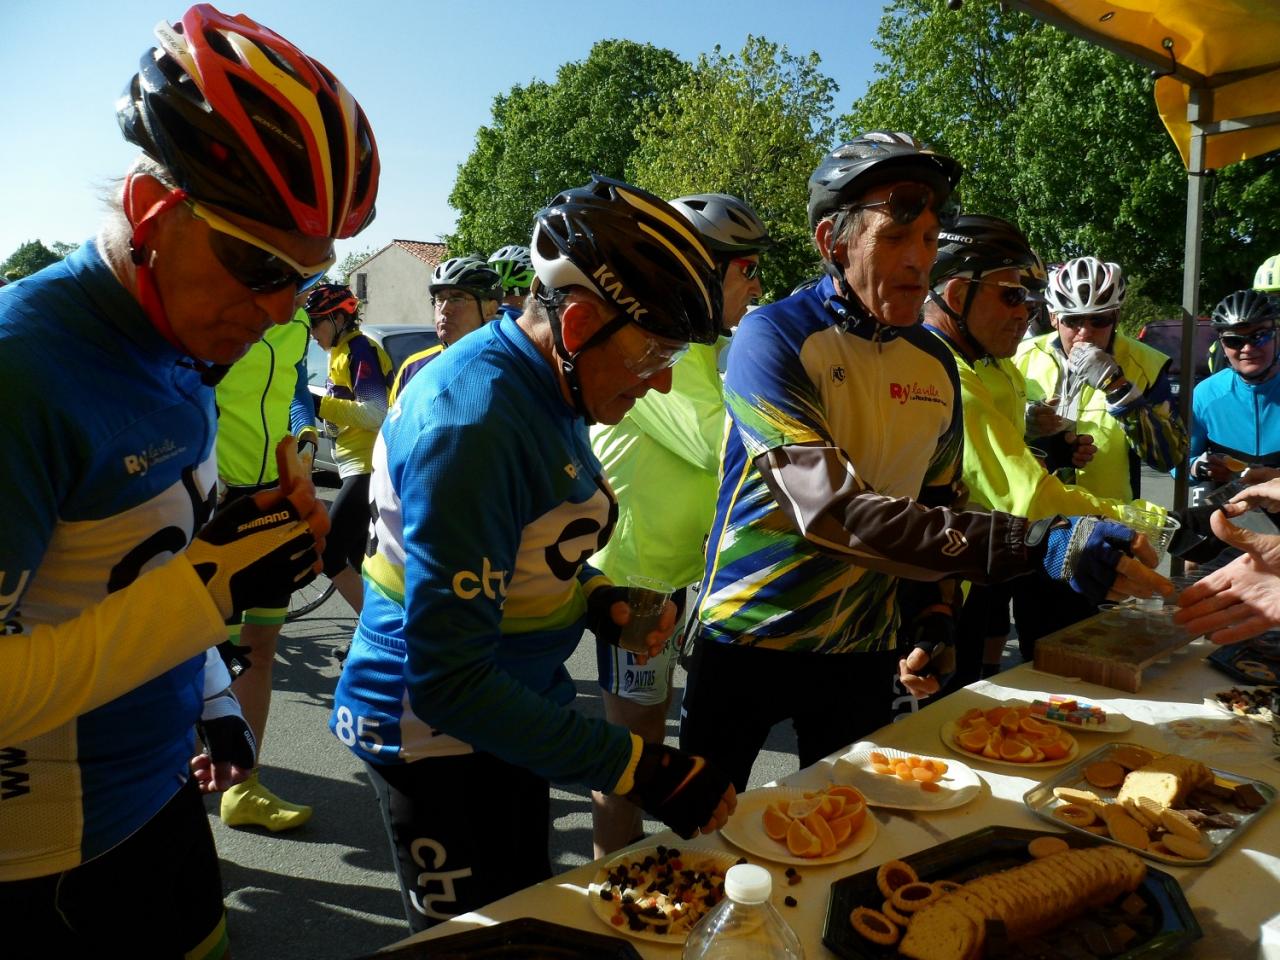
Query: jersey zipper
pixel 262 411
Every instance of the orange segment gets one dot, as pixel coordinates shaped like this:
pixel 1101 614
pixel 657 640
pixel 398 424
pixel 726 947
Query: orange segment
pixel 822 830
pixel 801 841
pixel 776 823
pixel 799 809
pixel 850 794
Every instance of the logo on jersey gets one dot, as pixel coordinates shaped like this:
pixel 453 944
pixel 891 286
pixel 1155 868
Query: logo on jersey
pixel 137 464
pixel 492 583
pixel 903 392
pixel 571 470
pixel 13 780
pixel 837 374
pixel 611 285
pixel 956 543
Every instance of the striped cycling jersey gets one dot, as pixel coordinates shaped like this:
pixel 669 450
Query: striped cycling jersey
pixel 487 502
pixel 888 398
pixel 105 479
pixel 355 400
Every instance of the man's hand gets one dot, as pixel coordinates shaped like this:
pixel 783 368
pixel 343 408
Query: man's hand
pixel 1093 365
pixel 1217 467
pixel 1242 599
pixel 1083 448
pixel 1265 495
pixel 1101 559
pixel 685 792
pixel 608 612
pixel 260 547
pixel 932 660
pixel 1042 419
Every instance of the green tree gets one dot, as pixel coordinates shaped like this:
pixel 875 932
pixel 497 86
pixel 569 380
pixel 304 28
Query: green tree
pixel 27 259
pixel 546 137
pixel 1063 138
pixel 753 124
pixel 340 272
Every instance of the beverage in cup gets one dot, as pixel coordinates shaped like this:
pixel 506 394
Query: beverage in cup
pixel 646 598
pixel 1158 531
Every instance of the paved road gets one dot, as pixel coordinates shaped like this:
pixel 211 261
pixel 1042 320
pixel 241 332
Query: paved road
pixel 327 890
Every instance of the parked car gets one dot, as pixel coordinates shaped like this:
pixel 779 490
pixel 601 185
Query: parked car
pixel 1166 336
pixel 400 340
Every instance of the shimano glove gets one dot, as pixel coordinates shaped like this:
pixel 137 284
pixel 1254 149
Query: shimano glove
pixel 226 736
pixel 934 632
pixel 1094 365
pixel 248 556
pixel 678 788
pixel 1081 551
pixel 600 621
pixel 234 657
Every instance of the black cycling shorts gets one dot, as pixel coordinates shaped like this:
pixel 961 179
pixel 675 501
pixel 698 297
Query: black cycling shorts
pixel 156 894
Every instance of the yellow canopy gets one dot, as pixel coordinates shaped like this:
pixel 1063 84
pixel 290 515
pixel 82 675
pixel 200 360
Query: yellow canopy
pixel 1227 49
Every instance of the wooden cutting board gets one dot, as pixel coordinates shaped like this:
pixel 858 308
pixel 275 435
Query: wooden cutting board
pixel 1110 649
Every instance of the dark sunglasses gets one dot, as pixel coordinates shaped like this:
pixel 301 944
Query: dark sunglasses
pixel 1011 294
pixel 1099 321
pixel 1238 341
pixel 907 201
pixel 254 262
pixel 750 268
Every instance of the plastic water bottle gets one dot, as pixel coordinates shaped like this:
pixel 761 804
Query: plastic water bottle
pixel 745 925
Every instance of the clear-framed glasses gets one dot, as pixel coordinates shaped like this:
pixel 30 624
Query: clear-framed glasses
pixel 750 268
pixel 907 201
pixel 453 298
pixel 644 354
pixel 1099 321
pixel 251 260
pixel 1238 341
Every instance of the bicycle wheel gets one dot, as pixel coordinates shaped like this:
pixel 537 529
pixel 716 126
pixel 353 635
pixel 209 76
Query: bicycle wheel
pixel 309 598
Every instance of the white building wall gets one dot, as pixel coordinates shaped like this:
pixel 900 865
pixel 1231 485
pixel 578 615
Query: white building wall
pixel 393 286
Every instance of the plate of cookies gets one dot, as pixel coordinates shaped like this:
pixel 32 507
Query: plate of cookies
pixel 1163 806
pixel 1008 892
pixel 906 781
pixel 802 827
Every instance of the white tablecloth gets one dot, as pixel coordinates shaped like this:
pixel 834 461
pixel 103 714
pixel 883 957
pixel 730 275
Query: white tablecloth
pixel 1234 898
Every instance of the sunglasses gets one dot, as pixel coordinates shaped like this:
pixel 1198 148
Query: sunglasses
pixel 907 201
pixel 750 268
pixel 251 260
pixel 1238 341
pixel 1011 294
pixel 1099 321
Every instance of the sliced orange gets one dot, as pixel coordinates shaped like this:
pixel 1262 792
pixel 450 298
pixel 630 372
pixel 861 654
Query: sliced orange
pixel 1017 751
pixel 968 717
pixel 924 774
pixel 819 827
pixel 799 809
pixel 852 820
pixel 850 794
pixel 877 757
pixel 801 841
pixel 975 741
pixel 831 806
pixel 882 768
pixel 841 829
pixel 939 766
pixel 776 823
pixel 1032 725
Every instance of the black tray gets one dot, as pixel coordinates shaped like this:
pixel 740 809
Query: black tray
pixel 1260 656
pixel 987 851
pixel 526 939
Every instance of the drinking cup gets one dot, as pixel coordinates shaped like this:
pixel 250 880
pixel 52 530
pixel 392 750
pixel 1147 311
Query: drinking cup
pixel 646 598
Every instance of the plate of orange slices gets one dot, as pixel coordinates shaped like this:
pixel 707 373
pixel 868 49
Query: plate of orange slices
pixel 802 827
pixel 1010 736
pixel 906 781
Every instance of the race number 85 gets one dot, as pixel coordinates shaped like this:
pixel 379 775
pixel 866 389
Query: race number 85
pixel 359 731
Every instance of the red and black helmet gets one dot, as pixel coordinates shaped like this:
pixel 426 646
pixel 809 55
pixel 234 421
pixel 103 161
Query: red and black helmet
pixel 245 120
pixel 327 298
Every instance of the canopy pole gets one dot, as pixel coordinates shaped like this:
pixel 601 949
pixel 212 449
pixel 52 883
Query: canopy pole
pixel 1190 281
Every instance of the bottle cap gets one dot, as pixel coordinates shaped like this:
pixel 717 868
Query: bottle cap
pixel 747 883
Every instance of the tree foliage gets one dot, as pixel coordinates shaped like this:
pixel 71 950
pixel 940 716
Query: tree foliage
pixel 753 124
pixel 340 272
pixel 547 137
pixel 29 258
pixel 1064 139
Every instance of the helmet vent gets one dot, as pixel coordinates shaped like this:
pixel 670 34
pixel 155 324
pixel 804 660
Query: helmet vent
pixel 282 138
pixel 219 45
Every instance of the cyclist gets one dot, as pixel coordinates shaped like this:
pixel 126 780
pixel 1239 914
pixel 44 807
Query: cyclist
pixel 1113 387
pixel 113 584
pixel 464 292
pixel 983 285
pixel 488 502
pixel 661 460
pixel 1267 277
pixel 353 408
pixel 1235 424
pixel 841 457
pixel 515 270
pixel 262 398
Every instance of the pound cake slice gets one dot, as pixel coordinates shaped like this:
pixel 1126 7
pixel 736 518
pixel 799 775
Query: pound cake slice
pixel 1165 781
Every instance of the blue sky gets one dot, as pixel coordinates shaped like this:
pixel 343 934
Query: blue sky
pixel 425 72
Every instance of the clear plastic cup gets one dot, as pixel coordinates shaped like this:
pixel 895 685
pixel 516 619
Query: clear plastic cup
pixel 1158 530
pixel 646 597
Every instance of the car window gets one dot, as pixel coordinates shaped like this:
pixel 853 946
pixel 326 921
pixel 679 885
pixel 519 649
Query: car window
pixel 317 364
pixel 400 345
pixel 1166 336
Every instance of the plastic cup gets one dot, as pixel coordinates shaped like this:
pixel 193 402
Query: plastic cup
pixel 1158 531
pixel 646 598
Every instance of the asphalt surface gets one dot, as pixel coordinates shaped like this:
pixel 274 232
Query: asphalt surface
pixel 327 890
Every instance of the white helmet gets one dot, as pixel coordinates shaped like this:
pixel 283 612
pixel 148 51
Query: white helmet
pixel 1085 285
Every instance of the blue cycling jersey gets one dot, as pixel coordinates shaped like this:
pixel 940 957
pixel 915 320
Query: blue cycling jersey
pixel 1233 416
pixel 106 478
pixel 487 501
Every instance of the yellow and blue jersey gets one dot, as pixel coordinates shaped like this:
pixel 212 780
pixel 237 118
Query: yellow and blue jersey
pixel 355 400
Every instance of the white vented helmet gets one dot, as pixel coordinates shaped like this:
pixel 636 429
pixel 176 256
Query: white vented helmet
pixel 1086 285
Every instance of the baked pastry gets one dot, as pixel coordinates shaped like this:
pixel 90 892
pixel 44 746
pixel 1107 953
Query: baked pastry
pixel 874 925
pixel 1165 780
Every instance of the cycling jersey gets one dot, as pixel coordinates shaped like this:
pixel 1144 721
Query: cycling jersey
pixel 855 421
pixel 1232 416
pixel 1000 471
pixel 262 398
pixel 107 478
pixel 356 399
pixel 487 502
pixel 412 365
pixel 510 312
pixel 1148 430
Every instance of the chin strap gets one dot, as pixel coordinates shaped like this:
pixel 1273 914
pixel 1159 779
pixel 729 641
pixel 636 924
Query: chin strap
pixel 961 319
pixel 551 302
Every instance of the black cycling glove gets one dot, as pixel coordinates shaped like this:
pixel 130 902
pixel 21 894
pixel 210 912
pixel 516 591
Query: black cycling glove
pixel 934 632
pixel 678 788
pixel 249 557
pixel 227 737
pixel 1194 539
pixel 599 613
